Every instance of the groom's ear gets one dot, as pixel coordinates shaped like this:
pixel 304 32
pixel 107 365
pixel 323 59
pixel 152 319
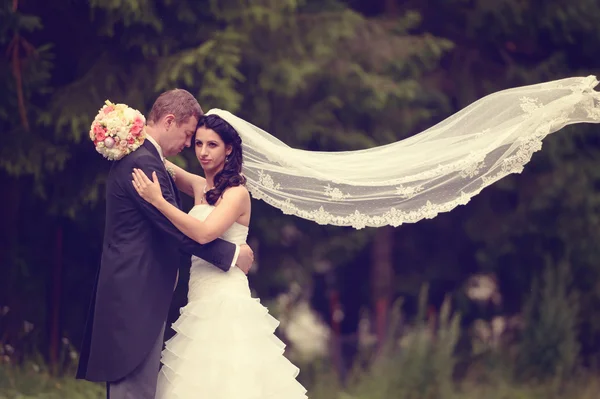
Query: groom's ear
pixel 168 121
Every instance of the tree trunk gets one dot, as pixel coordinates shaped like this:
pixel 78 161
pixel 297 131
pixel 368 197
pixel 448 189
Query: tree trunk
pixel 335 309
pixel 9 233
pixel 56 291
pixel 390 7
pixel 382 279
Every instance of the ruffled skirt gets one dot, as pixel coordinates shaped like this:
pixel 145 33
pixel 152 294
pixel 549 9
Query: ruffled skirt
pixel 225 347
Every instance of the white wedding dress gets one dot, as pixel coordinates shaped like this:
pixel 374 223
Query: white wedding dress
pixel 225 347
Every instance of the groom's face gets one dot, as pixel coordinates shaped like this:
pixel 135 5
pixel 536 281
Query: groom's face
pixel 178 136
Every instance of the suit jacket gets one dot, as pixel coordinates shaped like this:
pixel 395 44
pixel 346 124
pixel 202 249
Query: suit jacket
pixel 140 259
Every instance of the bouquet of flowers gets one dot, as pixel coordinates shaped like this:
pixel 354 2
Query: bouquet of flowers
pixel 117 130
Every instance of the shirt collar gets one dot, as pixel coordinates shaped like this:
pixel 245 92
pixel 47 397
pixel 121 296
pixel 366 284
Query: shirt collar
pixel 155 144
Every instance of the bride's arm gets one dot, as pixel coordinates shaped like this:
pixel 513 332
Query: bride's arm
pixel 222 217
pixel 185 181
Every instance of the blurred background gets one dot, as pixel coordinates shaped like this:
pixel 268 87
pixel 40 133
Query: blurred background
pixel 497 299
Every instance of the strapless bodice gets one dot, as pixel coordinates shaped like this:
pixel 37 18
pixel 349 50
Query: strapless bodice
pixel 236 234
pixel 206 279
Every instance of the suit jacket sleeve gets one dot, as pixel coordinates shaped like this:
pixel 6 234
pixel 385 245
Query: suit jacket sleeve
pixel 218 252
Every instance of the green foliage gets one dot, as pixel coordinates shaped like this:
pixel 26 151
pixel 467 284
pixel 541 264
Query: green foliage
pixel 418 365
pixel 415 363
pixel 424 365
pixel 27 383
pixel 549 344
pixel 582 387
pixel 22 148
pixel 31 382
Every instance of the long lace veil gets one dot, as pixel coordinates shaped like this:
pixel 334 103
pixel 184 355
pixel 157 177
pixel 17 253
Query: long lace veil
pixel 423 175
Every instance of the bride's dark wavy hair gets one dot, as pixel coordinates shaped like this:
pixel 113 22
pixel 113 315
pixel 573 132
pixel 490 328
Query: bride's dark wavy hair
pixel 231 175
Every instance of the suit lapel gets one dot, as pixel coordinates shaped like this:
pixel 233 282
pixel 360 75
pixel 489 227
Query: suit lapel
pixel 175 190
pixel 150 147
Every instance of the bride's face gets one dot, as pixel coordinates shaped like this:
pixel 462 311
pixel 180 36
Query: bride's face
pixel 210 149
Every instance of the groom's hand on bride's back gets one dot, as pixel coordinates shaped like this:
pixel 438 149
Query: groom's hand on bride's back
pixel 245 258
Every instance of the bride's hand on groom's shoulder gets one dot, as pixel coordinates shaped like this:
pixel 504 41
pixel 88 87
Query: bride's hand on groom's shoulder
pixel 146 188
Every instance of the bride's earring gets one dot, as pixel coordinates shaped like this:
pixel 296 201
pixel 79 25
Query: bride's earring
pixel 226 158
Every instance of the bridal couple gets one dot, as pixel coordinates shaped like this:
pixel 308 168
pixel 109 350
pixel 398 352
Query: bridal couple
pixel 224 345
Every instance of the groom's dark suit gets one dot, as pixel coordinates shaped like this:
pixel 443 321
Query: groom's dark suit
pixel 137 273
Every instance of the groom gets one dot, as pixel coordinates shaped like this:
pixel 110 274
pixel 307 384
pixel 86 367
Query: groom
pixel 124 333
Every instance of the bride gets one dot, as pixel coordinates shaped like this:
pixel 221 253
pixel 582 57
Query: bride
pixel 224 347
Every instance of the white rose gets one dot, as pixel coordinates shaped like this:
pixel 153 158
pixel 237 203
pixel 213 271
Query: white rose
pixel 129 113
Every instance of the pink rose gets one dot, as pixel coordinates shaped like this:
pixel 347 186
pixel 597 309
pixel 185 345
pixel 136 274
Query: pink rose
pixel 99 132
pixel 109 109
pixel 100 135
pixel 135 130
pixel 137 126
pixel 130 140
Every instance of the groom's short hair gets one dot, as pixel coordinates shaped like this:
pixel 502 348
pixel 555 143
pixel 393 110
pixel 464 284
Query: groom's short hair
pixel 178 102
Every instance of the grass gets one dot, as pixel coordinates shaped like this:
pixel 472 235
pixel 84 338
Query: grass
pixel 30 381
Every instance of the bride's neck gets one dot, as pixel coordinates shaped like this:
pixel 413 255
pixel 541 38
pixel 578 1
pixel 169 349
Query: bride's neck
pixel 210 178
pixel 210 181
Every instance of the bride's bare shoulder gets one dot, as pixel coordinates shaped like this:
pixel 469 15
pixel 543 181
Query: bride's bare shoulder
pixel 239 193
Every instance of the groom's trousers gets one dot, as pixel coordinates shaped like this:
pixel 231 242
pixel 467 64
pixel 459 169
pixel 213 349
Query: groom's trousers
pixel 141 382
